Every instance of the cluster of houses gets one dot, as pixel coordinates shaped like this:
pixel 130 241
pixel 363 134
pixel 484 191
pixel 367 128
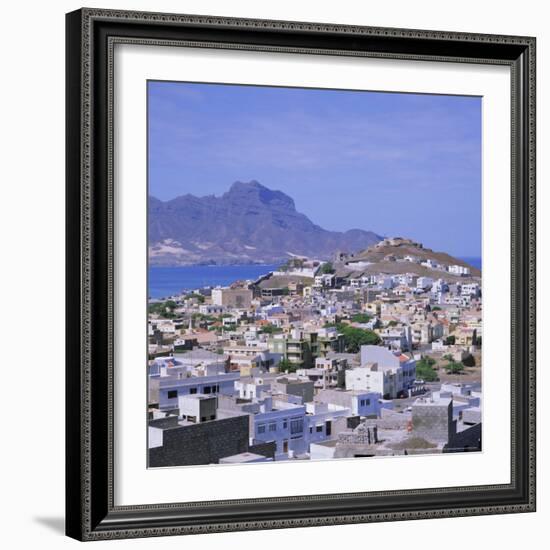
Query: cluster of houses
pixel 254 373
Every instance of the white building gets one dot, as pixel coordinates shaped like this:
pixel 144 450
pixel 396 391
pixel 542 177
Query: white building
pixel 197 408
pixel 211 309
pixel 359 403
pixel 424 283
pixel 440 286
pixel 172 388
pixel 373 378
pixel 383 372
pixel 324 281
pixel 459 270
pixel 470 289
pixel 396 338
pixel 252 388
pixel 431 264
pixel 320 418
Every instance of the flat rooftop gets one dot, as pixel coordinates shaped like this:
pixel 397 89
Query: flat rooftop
pixel 330 443
pixel 427 402
pixel 197 396
pixel 242 457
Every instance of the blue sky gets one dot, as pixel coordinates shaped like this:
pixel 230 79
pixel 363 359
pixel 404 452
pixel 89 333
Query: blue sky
pixel 397 164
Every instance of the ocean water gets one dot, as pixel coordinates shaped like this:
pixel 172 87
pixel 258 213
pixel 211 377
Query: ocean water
pixel 472 260
pixel 167 281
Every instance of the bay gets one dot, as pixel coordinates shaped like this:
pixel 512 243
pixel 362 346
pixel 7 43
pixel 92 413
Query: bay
pixel 168 281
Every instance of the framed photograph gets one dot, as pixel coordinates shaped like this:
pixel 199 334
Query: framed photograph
pixel 300 274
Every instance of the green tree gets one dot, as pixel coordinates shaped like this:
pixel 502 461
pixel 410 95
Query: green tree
pixel 430 361
pixel 164 309
pixel 197 296
pixel 286 365
pixel 327 269
pixel 450 340
pixel 453 367
pixel 270 329
pixel 354 338
pixel 361 318
pixel 469 361
pixel 425 370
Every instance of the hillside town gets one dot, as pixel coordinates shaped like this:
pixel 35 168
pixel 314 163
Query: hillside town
pixel 361 356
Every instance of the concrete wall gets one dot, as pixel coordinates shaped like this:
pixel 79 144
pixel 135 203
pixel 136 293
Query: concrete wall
pixel 302 389
pixel 433 421
pixel 393 421
pixel 466 440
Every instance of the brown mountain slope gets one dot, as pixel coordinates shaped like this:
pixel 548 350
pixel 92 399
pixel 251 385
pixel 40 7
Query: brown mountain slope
pixel 388 256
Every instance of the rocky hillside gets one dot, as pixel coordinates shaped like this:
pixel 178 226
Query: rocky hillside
pixel 399 255
pixel 248 224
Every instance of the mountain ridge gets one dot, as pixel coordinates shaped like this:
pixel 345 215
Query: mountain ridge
pixel 249 223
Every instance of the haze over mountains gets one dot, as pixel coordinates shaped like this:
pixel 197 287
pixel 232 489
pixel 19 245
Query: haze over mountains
pixel 248 224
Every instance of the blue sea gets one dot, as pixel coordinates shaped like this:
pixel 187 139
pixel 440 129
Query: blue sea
pixel 473 261
pixel 167 281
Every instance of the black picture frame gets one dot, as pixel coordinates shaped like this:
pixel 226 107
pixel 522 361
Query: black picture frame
pixel 90 510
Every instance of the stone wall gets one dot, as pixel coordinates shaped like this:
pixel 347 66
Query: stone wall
pixel 267 449
pixel 203 443
pixel 389 420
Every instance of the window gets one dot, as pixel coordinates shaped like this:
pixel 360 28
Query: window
pixel 172 394
pixel 296 425
pixel 261 428
pixel 319 429
pixel 273 427
pixel 192 390
pixel 285 423
pixel 207 389
pixel 367 402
